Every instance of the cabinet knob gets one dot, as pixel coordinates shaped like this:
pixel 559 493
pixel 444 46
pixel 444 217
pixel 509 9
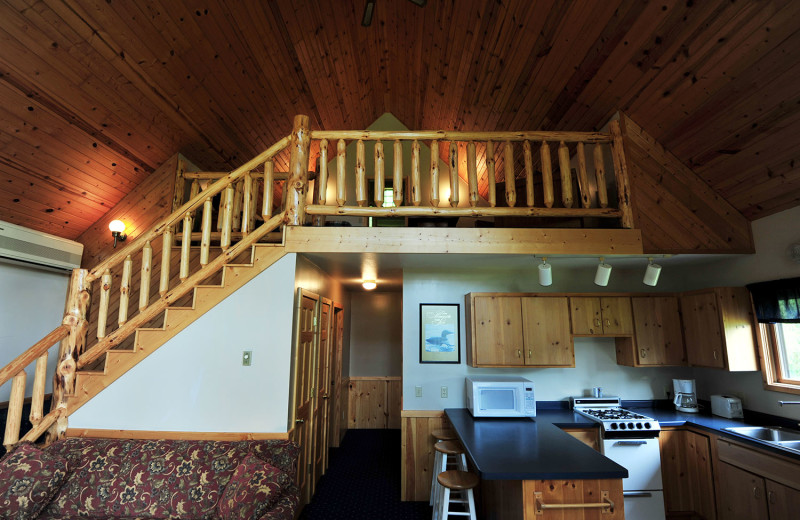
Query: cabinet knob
pixel 530 353
pixel 597 322
pixel 715 354
pixel 643 353
pixel 756 492
pixel 771 496
pixel 608 323
pixel 519 353
pixel 299 421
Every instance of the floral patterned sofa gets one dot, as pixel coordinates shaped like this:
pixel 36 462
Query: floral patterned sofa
pixel 105 478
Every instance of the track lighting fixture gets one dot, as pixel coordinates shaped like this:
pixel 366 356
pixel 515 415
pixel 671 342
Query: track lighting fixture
pixel 652 273
pixel 603 273
pixel 545 273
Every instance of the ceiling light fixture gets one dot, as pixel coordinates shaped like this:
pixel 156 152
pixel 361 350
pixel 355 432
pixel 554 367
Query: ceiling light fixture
pixel 652 273
pixel 369 284
pixel 117 228
pixel 603 273
pixel 545 273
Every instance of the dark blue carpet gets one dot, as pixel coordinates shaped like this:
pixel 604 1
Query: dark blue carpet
pixel 363 481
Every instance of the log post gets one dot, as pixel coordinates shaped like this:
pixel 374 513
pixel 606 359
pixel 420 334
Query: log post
pixel 193 191
pixel 236 213
pixel 435 173
pixel 322 178
pixel 490 173
pixel 39 382
pixel 105 294
pixel 166 258
pixel 547 175
pixel 73 346
pixel 220 210
pixel 416 196
pixel 227 217
pixel 341 177
pixel 251 208
pixel 379 173
pixel 15 403
pixel 566 174
pixel 621 175
pixel 297 183
pixel 144 281
pixel 452 163
pixel 269 174
pixel 511 186
pixel 528 155
pixel 600 175
pixel 125 285
pixel 205 237
pixel 583 177
pixel 247 202
pixel 472 173
pixel 397 174
pixel 361 174
pixel 186 244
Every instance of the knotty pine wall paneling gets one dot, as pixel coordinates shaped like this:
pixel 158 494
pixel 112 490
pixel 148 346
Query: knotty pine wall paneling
pixel 417 452
pixel 374 402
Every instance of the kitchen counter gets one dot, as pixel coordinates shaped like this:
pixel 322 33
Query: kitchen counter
pixel 530 449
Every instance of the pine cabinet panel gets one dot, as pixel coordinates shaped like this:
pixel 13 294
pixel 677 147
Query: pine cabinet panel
pixel 616 315
pixel 742 494
pixel 586 316
pixel 657 331
pixel 686 472
pixel 498 336
pixel 546 330
pixel 783 502
pixel 701 325
pixel 601 316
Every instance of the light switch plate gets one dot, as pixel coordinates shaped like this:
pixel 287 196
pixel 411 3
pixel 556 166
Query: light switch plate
pixel 247 358
pixel 417 391
pixel 444 392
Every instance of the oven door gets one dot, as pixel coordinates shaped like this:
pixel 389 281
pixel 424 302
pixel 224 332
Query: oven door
pixel 642 459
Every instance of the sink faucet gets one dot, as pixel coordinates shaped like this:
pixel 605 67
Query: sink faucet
pixel 788 402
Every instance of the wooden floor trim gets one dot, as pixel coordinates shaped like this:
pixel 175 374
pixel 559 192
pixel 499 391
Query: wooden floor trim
pixel 173 435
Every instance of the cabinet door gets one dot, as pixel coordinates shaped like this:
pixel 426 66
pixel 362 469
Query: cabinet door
pixel 616 315
pixel 742 494
pixel 783 501
pixel 586 314
pixel 548 341
pixel 498 331
pixel 701 326
pixel 657 328
pixel 698 458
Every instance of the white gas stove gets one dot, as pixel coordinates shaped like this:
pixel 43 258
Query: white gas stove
pixel 631 440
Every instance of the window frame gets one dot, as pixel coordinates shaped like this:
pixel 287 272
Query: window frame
pixel 771 361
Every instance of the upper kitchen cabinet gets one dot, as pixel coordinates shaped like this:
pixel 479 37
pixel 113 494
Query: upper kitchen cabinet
pixel 719 329
pixel 657 339
pixel 506 330
pixel 601 316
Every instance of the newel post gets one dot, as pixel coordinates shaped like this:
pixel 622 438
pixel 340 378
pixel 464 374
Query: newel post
pixel 297 184
pixel 621 175
pixel 72 347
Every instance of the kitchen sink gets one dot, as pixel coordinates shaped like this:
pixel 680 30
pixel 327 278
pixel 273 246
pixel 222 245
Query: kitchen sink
pixel 777 436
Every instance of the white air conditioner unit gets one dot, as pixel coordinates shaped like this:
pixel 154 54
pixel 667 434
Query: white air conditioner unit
pixel 23 245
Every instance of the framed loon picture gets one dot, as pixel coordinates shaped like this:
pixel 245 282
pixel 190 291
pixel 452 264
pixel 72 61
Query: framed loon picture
pixel 439 325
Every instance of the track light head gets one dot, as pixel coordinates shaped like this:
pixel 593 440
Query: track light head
pixel 545 273
pixel 652 273
pixel 603 273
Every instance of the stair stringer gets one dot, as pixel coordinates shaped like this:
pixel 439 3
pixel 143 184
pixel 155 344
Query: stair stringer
pixel 148 340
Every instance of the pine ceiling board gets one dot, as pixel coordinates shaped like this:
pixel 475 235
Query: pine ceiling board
pixel 775 203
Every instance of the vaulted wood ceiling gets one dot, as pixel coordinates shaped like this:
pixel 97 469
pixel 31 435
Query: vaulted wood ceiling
pixel 96 94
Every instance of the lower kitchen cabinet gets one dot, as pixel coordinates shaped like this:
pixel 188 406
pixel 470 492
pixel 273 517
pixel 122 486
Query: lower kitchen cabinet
pixel 588 436
pixel 687 474
pixel 755 484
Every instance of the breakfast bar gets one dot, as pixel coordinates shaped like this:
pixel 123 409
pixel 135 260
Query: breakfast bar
pixel 532 469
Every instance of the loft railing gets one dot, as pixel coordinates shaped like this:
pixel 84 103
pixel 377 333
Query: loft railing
pixel 133 265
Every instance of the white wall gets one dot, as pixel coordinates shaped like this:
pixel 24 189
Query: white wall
pixel 595 358
pixel 31 305
pixel 196 381
pixel 376 338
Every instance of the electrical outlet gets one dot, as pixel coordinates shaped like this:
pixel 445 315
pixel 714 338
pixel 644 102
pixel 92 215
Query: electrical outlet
pixel 418 391
pixel 444 392
pixel 247 358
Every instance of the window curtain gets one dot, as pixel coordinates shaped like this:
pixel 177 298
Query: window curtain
pixel 777 301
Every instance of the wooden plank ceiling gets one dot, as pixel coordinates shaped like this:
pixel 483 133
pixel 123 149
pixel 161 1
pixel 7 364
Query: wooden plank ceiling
pixel 96 94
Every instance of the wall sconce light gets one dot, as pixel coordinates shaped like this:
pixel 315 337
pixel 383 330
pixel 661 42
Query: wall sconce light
pixel 369 284
pixel 652 273
pixel 117 228
pixel 545 273
pixel 603 273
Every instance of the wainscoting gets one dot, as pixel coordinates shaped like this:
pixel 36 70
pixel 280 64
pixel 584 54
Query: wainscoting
pixel 417 452
pixel 374 402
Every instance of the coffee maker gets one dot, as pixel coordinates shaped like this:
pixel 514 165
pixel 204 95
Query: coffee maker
pixel 685 395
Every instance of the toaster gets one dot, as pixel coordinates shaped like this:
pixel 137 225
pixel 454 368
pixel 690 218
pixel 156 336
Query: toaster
pixel 726 406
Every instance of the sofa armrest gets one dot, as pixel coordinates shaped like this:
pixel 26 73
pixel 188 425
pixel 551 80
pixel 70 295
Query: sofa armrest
pixel 286 508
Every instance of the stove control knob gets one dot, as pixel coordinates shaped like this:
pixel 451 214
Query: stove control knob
pixel 622 426
pixel 639 425
pixel 647 425
pixel 614 426
pixel 630 425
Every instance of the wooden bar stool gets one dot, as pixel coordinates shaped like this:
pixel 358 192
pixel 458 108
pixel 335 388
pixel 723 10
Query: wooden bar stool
pixel 448 453
pixel 463 482
pixel 439 435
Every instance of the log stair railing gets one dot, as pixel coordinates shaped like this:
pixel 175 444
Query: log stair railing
pixel 165 307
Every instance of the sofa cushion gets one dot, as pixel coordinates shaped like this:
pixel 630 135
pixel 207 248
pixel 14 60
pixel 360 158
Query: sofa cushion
pixel 29 478
pixel 254 489
pixel 280 453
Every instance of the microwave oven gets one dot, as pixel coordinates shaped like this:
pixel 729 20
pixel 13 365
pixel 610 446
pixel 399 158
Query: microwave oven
pixel 498 396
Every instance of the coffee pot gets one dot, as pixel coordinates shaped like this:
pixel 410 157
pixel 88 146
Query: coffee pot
pixel 685 395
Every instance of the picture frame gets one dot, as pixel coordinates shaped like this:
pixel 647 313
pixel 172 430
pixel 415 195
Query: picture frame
pixel 440 333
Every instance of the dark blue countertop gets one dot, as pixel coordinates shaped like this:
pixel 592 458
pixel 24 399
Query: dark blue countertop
pixel 527 449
